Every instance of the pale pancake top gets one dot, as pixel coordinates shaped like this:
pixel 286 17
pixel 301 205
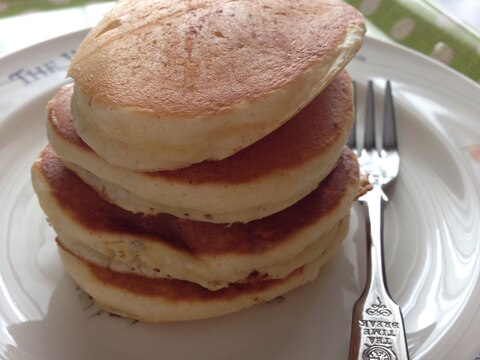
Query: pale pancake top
pixel 256 237
pixel 311 134
pixel 183 58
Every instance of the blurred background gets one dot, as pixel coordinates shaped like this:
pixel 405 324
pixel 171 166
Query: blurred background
pixel 446 30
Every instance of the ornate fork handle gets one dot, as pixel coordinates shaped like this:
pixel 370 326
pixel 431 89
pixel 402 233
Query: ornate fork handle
pixel 377 323
pixel 378 331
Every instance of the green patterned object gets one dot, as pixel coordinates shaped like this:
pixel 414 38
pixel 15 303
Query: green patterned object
pixel 417 24
pixel 422 26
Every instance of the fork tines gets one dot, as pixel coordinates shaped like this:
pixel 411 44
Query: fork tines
pixel 389 126
pixel 389 136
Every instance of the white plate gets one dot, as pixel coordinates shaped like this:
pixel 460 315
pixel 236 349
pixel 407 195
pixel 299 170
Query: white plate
pixel 432 250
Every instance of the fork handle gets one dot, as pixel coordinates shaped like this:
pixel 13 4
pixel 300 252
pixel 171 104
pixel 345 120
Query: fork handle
pixel 378 331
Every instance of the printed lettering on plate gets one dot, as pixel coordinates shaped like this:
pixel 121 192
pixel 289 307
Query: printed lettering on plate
pixel 28 76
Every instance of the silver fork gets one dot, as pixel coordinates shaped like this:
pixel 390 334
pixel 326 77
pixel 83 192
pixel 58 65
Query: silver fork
pixel 378 331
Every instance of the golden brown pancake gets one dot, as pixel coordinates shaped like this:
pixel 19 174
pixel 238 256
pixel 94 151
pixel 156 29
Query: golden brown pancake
pixel 262 179
pixel 162 85
pixel 164 300
pixel 197 237
pixel 211 254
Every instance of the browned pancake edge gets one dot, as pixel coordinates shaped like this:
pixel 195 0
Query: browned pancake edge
pixel 85 205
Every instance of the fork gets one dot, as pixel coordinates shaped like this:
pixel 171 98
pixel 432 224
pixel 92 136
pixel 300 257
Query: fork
pixel 378 331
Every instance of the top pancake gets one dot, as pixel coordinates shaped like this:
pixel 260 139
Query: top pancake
pixel 164 85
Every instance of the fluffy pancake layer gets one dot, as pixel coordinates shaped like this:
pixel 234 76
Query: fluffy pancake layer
pixel 164 300
pixel 213 255
pixel 243 68
pixel 260 180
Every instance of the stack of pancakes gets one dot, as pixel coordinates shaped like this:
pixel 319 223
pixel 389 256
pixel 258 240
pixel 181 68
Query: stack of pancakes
pixel 197 165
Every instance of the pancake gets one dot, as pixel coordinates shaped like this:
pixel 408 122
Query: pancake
pixel 166 300
pixel 258 181
pixel 213 255
pixel 162 85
